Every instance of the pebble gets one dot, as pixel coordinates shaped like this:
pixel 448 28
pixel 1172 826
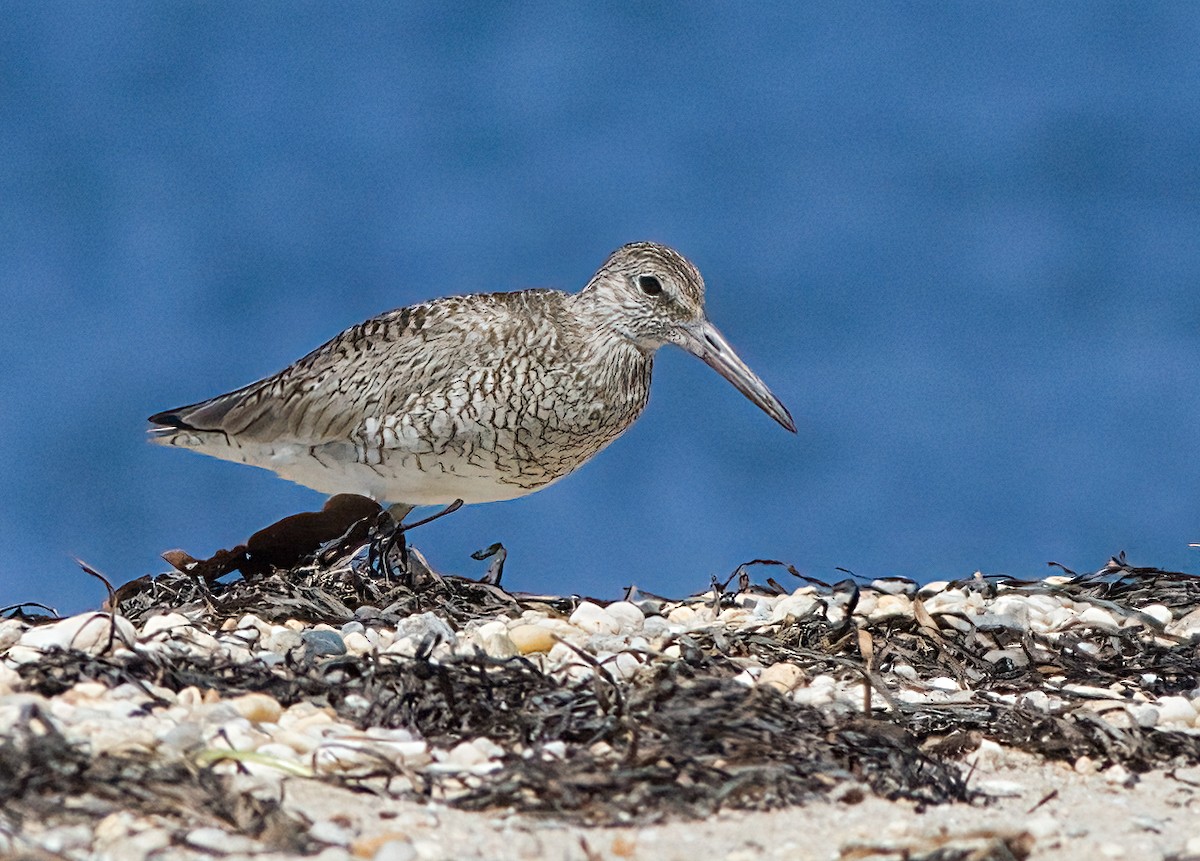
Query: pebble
pixel 782 677
pixel 319 643
pixel 357 643
pixel 270 743
pixel 259 708
pixel 629 616
pixel 87 632
pixel 594 619
pixel 426 628
pixel 219 842
pixel 395 850
pixel 1176 710
pixel 529 639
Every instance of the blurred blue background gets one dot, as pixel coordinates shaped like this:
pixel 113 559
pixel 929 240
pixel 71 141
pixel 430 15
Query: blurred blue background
pixel 960 241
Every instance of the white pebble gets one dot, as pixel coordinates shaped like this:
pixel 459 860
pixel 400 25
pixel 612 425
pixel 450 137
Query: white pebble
pixel 796 605
pixel 87 632
pixel 395 850
pixel 1158 612
pixel 357 644
pixel 1101 619
pixel 891 606
pixel 218 842
pixel 999 788
pixel 10 631
pixel 783 677
pixel 594 619
pixel 628 616
pixel 1175 710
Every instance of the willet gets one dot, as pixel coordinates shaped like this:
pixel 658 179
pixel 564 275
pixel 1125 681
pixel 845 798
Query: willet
pixel 480 398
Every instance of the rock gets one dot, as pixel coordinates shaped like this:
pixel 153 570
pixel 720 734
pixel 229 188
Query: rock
pixel 396 850
pixel 891 606
pixel 629 616
pixel 1175 710
pixel 328 831
pixel 218 842
pixel 797 605
pixel 388 846
pixel 258 708
pixel 282 640
pixel 426 630
pixel 87 632
pixel 357 643
pixel 1158 612
pixel 782 677
pixel 594 619
pixel 529 639
pixel 1099 619
pixel 493 638
pixel 10 681
pixel 319 644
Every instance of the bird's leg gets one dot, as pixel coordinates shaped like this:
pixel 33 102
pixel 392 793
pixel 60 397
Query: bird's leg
pixel 393 536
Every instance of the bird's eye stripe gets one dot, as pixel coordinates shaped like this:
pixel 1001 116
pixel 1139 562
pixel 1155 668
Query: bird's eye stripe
pixel 650 285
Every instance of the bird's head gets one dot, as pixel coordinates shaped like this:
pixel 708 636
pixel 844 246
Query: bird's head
pixel 653 295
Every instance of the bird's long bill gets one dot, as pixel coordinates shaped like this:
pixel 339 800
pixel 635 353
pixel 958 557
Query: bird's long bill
pixel 706 342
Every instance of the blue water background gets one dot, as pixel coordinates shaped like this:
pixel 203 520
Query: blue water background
pixel 960 240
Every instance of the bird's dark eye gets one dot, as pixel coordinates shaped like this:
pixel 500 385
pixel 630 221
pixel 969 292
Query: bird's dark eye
pixel 650 285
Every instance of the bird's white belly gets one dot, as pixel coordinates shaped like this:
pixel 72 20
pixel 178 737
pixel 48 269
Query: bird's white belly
pixel 417 479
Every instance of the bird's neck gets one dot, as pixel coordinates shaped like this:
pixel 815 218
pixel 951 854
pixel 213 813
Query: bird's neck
pixel 604 322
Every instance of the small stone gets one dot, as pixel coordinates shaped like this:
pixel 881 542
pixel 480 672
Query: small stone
pixel 794 606
pixel 493 638
pixel 396 850
pixel 282 640
pixel 594 619
pixel 1043 826
pixel 353 627
pixel 10 681
pixel 891 606
pixel 319 643
pixel 532 638
pixel 1145 716
pixel 368 846
pixel 167 622
pixel 1158 612
pixel 1175 710
pixel 998 788
pixel 87 632
pixel 357 643
pixel 628 616
pixel 623 665
pixel 66 837
pixel 1101 619
pixel 259 708
pixel 426 628
pixel 783 677
pixel 218 842
pixel 1118 775
pixel 10 632
pixel 328 831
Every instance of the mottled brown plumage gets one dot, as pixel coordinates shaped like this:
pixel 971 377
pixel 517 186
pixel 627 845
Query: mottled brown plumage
pixel 480 398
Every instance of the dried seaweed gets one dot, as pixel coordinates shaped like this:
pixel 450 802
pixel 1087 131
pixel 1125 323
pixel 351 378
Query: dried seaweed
pixel 43 776
pixel 685 737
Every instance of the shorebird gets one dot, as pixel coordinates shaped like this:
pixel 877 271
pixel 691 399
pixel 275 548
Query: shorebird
pixel 478 398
